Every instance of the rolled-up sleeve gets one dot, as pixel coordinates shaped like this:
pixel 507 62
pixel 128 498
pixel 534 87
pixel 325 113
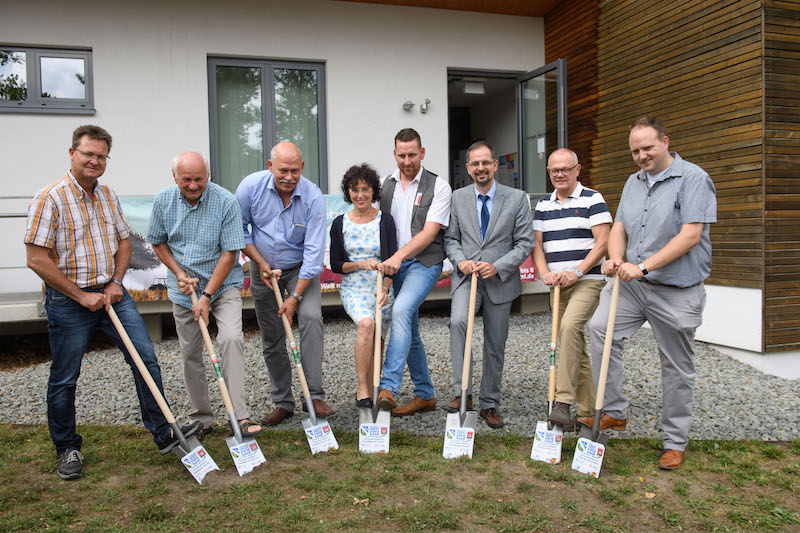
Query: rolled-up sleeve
pixel 698 200
pixel 314 244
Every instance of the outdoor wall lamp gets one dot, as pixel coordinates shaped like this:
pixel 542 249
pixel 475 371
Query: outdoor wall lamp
pixel 408 105
pixel 423 108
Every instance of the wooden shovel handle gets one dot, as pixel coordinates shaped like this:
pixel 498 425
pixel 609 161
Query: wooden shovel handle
pixel 223 388
pixel 288 327
pixel 551 388
pixel 143 371
pixel 473 292
pixel 376 360
pixel 612 316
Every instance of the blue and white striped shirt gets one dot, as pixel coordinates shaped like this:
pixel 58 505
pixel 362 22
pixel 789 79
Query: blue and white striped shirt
pixel 197 235
pixel 567 228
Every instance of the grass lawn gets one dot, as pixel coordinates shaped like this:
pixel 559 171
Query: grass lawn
pixel 127 486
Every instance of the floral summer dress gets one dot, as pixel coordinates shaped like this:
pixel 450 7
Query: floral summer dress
pixel 362 242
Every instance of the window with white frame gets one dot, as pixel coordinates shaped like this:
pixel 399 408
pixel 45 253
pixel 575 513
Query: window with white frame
pixel 45 80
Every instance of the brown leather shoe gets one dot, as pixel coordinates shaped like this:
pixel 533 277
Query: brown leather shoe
pixel 671 459
pixel 320 408
pixel 455 405
pixel 606 422
pixel 492 418
pixel 386 400
pixel 417 404
pixel 277 416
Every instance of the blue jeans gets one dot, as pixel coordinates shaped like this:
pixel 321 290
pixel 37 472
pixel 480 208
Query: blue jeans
pixel 70 327
pixel 412 283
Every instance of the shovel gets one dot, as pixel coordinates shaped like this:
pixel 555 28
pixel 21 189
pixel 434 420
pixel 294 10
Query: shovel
pixel 245 451
pixel 548 437
pixel 188 449
pixel 591 447
pixel 373 430
pixel 318 431
pixel 459 434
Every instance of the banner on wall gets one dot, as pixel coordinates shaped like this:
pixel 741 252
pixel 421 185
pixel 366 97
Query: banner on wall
pixel 146 278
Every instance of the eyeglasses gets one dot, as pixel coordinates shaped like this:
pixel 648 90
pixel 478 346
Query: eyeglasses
pixel 476 164
pixel 90 156
pixel 557 171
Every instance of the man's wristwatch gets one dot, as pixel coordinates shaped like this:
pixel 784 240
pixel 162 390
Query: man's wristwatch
pixel 386 289
pixel 117 281
pixel 578 272
pixel 209 296
pixel 297 296
pixel 643 269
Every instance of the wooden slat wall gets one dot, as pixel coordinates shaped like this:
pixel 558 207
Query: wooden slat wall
pixel 695 64
pixel 782 179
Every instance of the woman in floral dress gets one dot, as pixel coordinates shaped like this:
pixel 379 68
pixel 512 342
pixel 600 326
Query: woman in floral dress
pixel 360 240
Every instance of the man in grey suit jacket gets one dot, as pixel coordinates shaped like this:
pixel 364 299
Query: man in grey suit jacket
pixel 491 233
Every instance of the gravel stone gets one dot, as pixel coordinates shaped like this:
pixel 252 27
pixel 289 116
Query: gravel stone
pixel 732 400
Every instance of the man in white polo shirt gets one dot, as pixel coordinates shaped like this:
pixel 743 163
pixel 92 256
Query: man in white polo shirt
pixel 571 228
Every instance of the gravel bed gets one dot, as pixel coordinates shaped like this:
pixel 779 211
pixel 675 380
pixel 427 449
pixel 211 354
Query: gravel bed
pixel 732 400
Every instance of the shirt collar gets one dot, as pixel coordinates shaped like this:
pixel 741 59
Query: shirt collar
pixel 396 175
pixel 490 194
pixel 675 169
pixel 76 187
pixel 576 193
pixel 199 201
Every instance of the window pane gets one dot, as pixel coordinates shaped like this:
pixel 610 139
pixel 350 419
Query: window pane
pixel 296 115
pixel 539 104
pixel 63 77
pixel 13 75
pixel 239 117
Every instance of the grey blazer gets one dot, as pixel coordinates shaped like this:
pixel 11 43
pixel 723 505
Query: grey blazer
pixel 508 242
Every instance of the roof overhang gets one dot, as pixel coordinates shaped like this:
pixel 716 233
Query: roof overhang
pixel 522 8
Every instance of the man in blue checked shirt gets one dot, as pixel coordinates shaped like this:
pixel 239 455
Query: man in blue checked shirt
pixel 195 229
pixel 286 213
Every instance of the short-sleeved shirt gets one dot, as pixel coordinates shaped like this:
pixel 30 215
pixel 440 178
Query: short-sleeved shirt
pixel 652 216
pixel 82 235
pixel 403 205
pixel 197 235
pixel 566 228
pixel 284 236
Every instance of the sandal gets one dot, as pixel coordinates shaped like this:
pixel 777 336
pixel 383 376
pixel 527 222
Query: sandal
pixel 246 424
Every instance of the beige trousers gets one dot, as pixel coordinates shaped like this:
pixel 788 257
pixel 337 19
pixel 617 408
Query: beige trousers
pixel 574 378
pixel 227 310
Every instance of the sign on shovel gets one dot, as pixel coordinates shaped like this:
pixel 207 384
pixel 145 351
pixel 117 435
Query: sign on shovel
pixel 458 441
pixel 588 457
pixel 319 433
pixel 199 463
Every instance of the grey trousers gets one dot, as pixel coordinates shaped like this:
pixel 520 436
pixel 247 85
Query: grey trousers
pixel 674 314
pixel 273 336
pixel 227 310
pixel 495 333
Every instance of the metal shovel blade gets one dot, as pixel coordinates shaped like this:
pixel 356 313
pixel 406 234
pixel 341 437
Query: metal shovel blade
pixel 181 452
pixel 320 435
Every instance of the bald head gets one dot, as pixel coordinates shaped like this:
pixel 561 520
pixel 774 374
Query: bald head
pixel 190 171
pixel 561 153
pixel 286 164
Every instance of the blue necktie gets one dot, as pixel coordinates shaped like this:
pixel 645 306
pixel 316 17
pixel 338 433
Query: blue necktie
pixel 484 214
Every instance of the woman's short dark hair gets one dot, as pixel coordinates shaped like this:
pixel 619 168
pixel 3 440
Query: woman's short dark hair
pixel 365 173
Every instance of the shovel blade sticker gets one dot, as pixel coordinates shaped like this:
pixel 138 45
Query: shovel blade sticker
pixel 320 437
pixel 458 442
pixel 199 463
pixel 246 456
pixel 373 438
pixel 547 443
pixel 588 457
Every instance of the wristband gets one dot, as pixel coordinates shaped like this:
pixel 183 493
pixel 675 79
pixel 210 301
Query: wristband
pixel 643 269
pixel 386 289
pixel 204 293
pixel 117 281
pixel 297 296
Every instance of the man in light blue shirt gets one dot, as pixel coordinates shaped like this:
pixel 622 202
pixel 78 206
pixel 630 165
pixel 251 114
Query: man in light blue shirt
pixel 195 231
pixel 286 213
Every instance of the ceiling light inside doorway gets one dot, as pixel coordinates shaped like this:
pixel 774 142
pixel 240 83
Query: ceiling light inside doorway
pixel 474 87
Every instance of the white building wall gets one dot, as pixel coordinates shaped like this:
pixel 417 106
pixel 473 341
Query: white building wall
pixel 151 88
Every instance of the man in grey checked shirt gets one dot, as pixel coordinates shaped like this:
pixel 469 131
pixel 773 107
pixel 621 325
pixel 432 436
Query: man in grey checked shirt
pixel 196 230
pixel 659 245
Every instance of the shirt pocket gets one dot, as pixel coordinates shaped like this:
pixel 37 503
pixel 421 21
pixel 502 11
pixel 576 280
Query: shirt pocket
pixel 297 234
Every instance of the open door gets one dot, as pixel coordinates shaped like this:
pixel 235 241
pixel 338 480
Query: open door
pixel 542 122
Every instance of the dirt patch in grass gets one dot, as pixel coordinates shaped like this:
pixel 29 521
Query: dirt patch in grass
pixel 128 486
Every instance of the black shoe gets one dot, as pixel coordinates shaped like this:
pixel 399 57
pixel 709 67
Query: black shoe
pixel 70 464
pixel 188 432
pixel 364 403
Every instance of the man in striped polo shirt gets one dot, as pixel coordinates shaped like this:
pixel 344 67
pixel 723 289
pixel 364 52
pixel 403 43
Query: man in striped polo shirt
pixel 571 228
pixel 76 240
